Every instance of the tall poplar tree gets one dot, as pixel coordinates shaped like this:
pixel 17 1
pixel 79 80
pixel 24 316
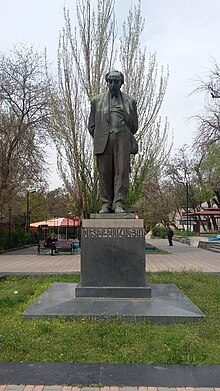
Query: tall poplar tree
pixel 87 51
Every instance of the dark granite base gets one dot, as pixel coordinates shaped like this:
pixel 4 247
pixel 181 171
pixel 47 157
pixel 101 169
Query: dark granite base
pixel 130 375
pixel 167 305
pixel 112 253
pixel 112 292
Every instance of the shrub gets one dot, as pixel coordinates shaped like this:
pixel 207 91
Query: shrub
pixel 17 238
pixel 161 232
pixel 183 233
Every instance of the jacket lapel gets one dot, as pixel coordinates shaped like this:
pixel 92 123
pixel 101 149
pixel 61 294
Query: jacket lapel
pixel 105 105
pixel 126 107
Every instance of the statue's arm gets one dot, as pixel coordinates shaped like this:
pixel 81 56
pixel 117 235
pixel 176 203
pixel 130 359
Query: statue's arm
pixel 91 124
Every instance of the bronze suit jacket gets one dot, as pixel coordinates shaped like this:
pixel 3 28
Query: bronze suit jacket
pixel 99 124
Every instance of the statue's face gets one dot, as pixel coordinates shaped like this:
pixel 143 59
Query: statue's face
pixel 114 83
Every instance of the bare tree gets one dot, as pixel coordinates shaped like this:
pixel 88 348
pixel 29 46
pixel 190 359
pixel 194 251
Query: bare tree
pixel 85 55
pixel 196 178
pixel 81 71
pixel 148 86
pixel 209 119
pixel 158 203
pixel 23 118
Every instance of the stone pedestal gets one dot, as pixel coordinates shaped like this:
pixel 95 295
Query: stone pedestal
pixel 113 259
pixel 113 280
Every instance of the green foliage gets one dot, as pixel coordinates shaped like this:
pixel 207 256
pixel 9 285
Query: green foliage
pixel 183 233
pixel 136 182
pixel 156 251
pixel 208 170
pixel 86 340
pixel 160 232
pixel 18 238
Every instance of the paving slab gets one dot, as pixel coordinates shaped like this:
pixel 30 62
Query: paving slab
pixel 49 373
pixel 110 375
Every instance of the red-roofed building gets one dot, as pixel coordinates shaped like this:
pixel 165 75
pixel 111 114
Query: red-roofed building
pixel 62 226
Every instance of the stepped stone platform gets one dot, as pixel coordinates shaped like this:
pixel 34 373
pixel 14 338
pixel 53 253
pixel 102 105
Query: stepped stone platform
pixel 113 280
pixel 166 305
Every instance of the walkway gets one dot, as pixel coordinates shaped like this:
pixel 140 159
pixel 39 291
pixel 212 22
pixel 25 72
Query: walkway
pixel 133 377
pixel 181 257
pixel 13 387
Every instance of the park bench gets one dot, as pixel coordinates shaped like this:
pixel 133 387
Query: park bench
pixel 63 246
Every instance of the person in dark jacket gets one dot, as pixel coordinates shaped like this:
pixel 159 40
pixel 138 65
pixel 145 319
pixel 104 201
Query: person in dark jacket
pixel 170 234
pixel 53 247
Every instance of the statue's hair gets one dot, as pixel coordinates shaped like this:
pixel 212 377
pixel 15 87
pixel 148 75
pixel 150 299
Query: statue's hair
pixel 119 73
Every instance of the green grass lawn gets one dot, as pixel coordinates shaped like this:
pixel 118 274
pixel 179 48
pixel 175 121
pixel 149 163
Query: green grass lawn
pixel 157 251
pixel 103 341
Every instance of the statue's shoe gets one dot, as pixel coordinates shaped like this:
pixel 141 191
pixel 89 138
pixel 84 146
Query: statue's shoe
pixel 119 209
pixel 105 209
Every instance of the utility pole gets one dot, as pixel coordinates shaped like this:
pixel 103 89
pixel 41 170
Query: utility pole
pixel 187 206
pixel 27 210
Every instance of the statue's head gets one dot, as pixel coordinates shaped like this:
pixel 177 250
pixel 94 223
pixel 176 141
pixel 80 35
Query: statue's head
pixel 114 79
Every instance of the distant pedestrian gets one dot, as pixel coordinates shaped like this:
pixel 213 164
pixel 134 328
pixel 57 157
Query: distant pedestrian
pixel 38 248
pixel 170 234
pixel 53 247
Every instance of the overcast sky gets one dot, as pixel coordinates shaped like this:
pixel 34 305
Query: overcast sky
pixel 184 34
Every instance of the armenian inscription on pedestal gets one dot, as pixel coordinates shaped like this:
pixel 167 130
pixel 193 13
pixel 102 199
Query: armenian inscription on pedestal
pixel 113 259
pixel 113 232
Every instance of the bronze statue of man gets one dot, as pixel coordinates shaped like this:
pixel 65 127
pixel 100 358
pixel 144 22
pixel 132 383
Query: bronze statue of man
pixel 112 123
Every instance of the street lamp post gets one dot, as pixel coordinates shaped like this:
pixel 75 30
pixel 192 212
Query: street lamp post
pixel 2 217
pixel 28 211
pixel 186 184
pixel 9 223
pixel 187 206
